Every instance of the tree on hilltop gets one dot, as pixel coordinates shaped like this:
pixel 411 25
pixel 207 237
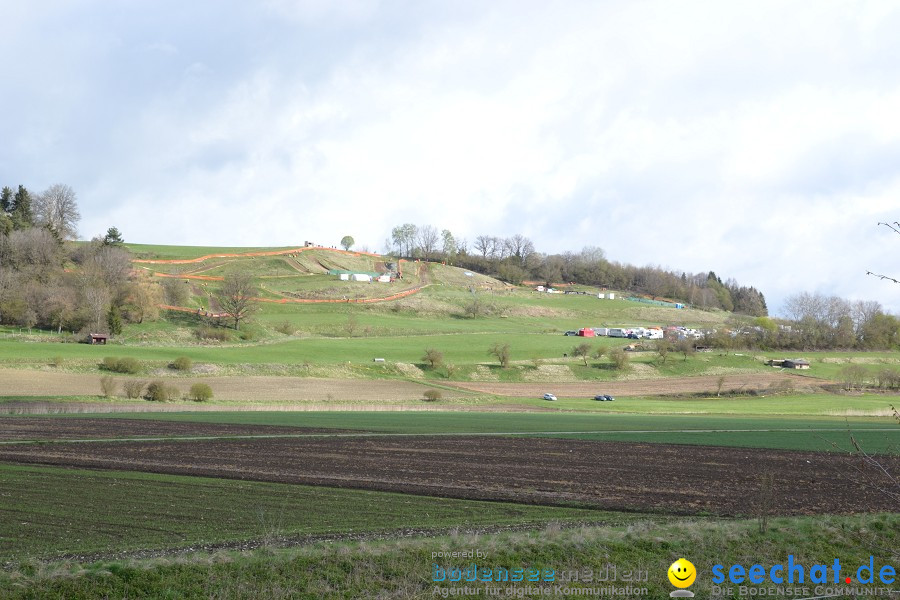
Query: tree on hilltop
pixel 113 237
pixel 404 238
pixel 6 199
pixel 22 212
pixel 347 242
pixel 56 208
pixel 427 239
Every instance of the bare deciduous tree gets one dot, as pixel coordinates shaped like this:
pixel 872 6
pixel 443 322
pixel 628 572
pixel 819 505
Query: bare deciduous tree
pixel 96 298
pixel 484 244
pixel 583 350
pixel 519 247
pixel 662 349
pixel 57 209
pixel 237 296
pixel 427 240
pixel 685 347
pixel 34 251
pixel 501 351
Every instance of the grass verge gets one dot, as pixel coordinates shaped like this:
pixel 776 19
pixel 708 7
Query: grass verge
pixel 404 568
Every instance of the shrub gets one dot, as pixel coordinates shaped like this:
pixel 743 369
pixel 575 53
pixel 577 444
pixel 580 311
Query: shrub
pixel 887 378
pixel 108 386
pixel 213 333
pixel 250 333
pixel 160 391
pixel 433 395
pixel 619 358
pixel 177 292
pixel 57 361
pixel 182 363
pixel 133 388
pixel 286 327
pixel 200 392
pixel 854 376
pixel 433 357
pixel 121 365
pixel 783 386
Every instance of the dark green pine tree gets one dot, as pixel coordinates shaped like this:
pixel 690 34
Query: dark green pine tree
pixel 113 237
pixel 6 199
pixel 114 320
pixel 22 213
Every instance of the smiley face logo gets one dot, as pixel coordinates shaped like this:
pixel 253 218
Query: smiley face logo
pixel 682 573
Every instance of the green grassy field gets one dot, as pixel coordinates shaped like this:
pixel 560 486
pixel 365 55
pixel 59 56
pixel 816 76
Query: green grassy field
pixel 787 432
pixel 775 404
pixel 49 512
pixel 461 348
pixel 176 252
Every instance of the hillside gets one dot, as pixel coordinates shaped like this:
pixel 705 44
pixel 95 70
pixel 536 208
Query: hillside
pixel 300 293
pixel 300 275
pixel 309 275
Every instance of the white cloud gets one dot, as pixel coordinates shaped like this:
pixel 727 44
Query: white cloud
pixel 757 140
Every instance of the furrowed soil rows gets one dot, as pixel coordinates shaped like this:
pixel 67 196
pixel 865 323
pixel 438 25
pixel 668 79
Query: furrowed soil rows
pixel 25 428
pixel 619 476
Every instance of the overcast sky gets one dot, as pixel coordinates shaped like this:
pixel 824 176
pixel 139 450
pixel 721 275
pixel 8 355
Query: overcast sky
pixel 757 139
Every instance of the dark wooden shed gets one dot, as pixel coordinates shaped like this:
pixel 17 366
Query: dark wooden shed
pixel 98 338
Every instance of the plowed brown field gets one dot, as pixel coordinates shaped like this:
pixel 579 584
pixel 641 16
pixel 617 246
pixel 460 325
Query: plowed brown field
pixel 621 476
pixel 26 428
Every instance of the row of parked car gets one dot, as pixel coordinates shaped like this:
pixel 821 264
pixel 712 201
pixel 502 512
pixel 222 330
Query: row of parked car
pixel 598 397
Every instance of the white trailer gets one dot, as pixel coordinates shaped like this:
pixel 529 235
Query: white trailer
pixel 617 332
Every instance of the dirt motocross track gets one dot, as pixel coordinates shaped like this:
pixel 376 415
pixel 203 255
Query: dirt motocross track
pixel 611 475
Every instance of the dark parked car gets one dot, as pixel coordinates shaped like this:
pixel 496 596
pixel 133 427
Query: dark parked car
pixel 571 333
pixel 604 398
